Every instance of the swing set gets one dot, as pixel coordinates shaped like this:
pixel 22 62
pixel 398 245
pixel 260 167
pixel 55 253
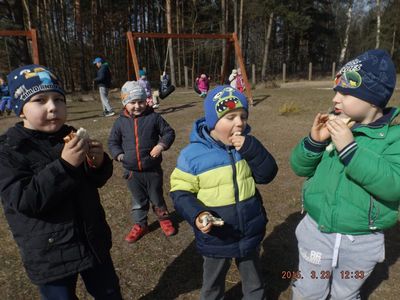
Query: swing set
pixel 30 35
pixel 231 41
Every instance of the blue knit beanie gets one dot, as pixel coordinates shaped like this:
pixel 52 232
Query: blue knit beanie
pixel 220 101
pixel 28 81
pixel 370 77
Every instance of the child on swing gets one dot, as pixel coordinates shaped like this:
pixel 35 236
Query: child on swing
pixel 203 85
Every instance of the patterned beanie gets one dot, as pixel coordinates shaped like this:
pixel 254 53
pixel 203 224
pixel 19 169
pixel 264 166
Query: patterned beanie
pixel 370 77
pixel 220 101
pixel 131 91
pixel 28 81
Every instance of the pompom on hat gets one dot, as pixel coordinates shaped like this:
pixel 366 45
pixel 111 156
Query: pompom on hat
pixel 27 81
pixel 221 100
pixel 370 77
pixel 132 91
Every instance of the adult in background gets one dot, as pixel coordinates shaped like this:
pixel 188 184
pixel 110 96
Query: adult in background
pixel 103 81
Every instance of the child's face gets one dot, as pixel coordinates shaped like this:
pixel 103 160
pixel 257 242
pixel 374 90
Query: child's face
pixel 46 112
pixel 231 123
pixel 136 107
pixel 2 81
pixel 355 108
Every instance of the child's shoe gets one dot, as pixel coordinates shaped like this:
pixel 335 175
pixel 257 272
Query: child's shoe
pixel 165 222
pixel 136 233
pixel 167 226
pixel 8 111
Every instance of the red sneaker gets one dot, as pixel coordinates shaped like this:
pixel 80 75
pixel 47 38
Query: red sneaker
pixel 136 233
pixel 167 226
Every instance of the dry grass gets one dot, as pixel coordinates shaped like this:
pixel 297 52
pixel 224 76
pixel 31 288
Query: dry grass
pixel 169 268
pixel 288 108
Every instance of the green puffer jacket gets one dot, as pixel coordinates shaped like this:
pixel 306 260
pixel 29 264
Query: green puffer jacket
pixel 361 197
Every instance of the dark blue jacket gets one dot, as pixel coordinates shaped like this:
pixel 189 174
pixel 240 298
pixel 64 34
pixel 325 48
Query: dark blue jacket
pixel 210 176
pixel 103 77
pixel 136 136
pixel 53 208
pixel 4 90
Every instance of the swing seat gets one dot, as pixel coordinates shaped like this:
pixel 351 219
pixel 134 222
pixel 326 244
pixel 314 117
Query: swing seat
pixel 166 92
pixel 196 88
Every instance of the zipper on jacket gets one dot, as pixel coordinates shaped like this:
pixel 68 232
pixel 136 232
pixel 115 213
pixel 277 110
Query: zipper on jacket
pixel 135 127
pixel 236 188
pixel 371 219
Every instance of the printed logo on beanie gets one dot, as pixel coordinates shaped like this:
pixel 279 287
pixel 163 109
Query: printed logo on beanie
pixel 46 78
pixel 351 79
pixel 225 101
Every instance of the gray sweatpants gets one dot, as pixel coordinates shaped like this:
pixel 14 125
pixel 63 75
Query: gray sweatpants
pixel 103 91
pixel 357 256
pixel 145 187
pixel 215 270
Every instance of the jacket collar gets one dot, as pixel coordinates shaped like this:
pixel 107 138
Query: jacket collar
pixel 379 128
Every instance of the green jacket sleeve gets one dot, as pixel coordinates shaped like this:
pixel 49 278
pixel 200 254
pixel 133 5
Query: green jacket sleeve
pixel 379 174
pixel 303 161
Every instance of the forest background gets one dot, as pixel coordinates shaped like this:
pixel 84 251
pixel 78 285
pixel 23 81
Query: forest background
pixel 72 33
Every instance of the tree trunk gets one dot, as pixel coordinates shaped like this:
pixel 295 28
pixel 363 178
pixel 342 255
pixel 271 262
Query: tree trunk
pixel 179 44
pixel 170 50
pixel 266 46
pixel 393 41
pixel 78 22
pixel 223 30
pixel 241 25
pixel 346 36
pixel 378 23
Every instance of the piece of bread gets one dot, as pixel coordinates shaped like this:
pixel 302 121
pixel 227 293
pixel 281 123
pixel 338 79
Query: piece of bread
pixel 80 133
pixel 345 119
pixel 207 218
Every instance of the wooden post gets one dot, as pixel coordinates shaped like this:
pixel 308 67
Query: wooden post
pixel 35 51
pixel 284 73
pixel 253 74
pixel 186 70
pixel 132 48
pixel 309 71
pixel 333 70
pixel 239 57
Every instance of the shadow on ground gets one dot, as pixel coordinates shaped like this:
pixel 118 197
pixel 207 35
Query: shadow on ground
pixel 182 276
pixel 260 99
pixel 280 255
pixel 381 271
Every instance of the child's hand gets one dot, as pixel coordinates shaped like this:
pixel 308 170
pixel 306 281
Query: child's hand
pixel 120 157
pixel 95 155
pixel 74 152
pixel 156 151
pixel 237 140
pixel 340 133
pixel 199 223
pixel 319 130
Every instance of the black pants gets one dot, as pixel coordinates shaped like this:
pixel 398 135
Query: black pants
pixel 146 187
pixel 101 282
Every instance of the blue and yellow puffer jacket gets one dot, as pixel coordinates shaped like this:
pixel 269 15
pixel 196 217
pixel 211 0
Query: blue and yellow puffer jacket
pixel 213 177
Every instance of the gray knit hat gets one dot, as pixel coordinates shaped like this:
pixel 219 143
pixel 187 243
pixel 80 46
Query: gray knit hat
pixel 132 91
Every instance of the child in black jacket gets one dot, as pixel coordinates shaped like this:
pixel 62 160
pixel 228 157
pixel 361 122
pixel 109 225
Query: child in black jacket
pixel 137 139
pixel 49 192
